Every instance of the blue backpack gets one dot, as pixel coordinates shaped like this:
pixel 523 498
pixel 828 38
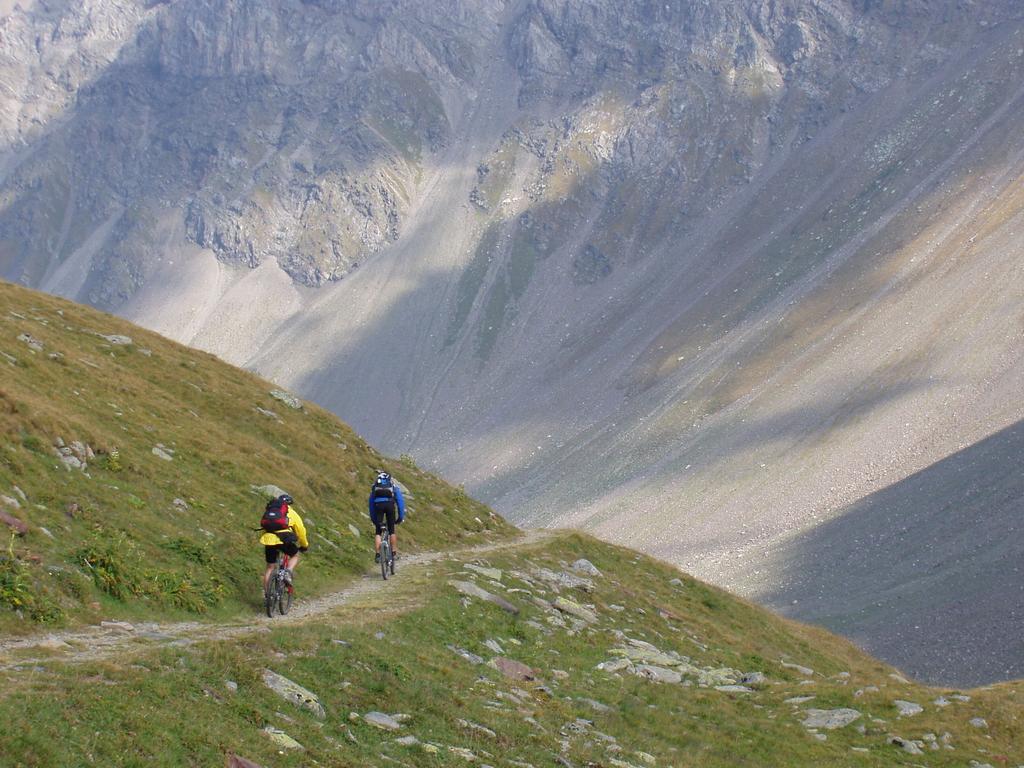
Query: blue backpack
pixel 383 493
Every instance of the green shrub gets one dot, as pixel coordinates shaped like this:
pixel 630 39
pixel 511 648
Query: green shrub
pixel 16 592
pixel 32 443
pixel 196 553
pixel 112 563
pixel 181 590
pixel 110 461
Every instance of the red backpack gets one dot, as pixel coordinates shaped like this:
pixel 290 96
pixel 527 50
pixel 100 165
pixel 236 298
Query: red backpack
pixel 275 517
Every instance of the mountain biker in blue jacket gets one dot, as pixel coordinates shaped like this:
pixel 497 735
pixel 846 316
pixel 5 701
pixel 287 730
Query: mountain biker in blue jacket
pixel 386 507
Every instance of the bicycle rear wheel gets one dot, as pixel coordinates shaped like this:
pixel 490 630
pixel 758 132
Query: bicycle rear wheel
pixel 284 597
pixel 385 555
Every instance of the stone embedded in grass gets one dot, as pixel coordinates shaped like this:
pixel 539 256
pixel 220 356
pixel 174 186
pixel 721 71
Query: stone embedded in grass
pixel 805 671
pixel 754 679
pixel 908 708
pixel 53 644
pixel 619 763
pixel 267 491
pixel 657 674
pixel 116 339
pixel 595 705
pixel 648 655
pixel 382 721
pixel 120 626
pixel 978 722
pixel 907 745
pixel 733 689
pixel 287 398
pixel 470 589
pixel 712 677
pixel 268 413
pixel 477 728
pixel 585 566
pixel 614 665
pixel 830 718
pixel 33 343
pixel 294 693
pixel 562 579
pixel 407 741
pixel 472 658
pixel 493 574
pixel 281 738
pixel 73 456
pixel 18 526
pixel 573 608
pixel 513 669
pixel 163 452
pixel 799 699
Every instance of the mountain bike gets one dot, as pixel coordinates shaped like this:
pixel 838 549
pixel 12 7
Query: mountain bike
pixel 387 556
pixel 278 594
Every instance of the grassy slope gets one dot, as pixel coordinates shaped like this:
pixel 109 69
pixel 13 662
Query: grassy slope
pixel 159 704
pixel 151 557
pixel 389 652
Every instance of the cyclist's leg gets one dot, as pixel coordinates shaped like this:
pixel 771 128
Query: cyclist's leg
pixel 270 555
pixel 291 548
pixel 391 532
pixel 375 519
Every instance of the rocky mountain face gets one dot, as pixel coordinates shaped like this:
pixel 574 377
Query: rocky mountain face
pixel 709 278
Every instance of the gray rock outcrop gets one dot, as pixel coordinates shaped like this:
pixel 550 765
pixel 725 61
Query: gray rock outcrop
pixel 830 718
pixel 294 693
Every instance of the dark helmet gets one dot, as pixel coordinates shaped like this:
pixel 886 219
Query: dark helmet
pixel 284 498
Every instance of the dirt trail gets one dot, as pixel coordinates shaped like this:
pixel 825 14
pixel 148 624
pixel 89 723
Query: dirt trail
pixel 117 638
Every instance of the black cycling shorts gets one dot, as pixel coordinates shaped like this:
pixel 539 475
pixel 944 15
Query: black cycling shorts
pixel 380 517
pixel 289 545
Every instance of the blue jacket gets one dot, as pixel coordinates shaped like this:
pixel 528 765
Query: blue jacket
pixel 399 500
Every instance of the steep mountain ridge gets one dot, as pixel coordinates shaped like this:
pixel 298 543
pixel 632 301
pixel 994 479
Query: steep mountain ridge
pixel 760 257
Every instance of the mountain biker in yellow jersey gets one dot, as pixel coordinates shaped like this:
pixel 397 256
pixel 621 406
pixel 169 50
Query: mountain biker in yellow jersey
pixel 386 507
pixel 283 531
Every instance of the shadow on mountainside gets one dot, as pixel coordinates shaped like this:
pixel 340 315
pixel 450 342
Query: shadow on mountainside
pixel 926 574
